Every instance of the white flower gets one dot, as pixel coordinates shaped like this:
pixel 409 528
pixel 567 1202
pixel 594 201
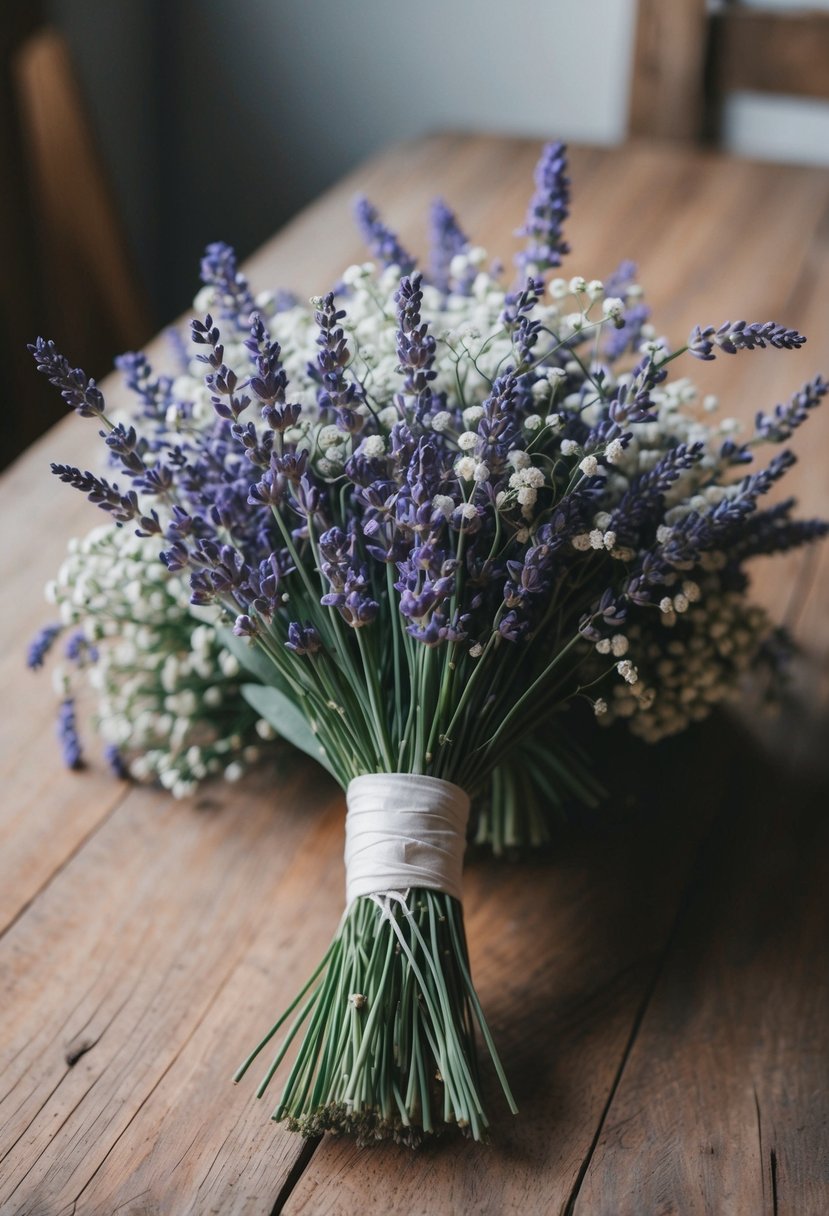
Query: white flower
pixel 476 651
pixel 627 671
pixel 440 420
pixel 518 458
pixel 468 510
pixel 329 436
pixel 603 646
pixel 589 465
pixel 553 421
pixel 373 445
pixel 233 771
pixel 529 476
pixel 581 542
pixel 619 645
pixel 527 496
pixel 229 664
pixel 558 288
pixel 467 440
pixel 613 306
pixel 465 468
pixel 481 472
pixel 595 289
pixel 533 422
pixel 471 415
pixel 600 707
pixel 443 505
pixel 614 451
pixel 666 604
pixel 568 447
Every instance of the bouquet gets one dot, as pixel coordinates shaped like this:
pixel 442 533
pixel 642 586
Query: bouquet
pixel 434 512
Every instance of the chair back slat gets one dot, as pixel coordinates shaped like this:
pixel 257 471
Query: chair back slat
pixel 770 52
pixel 687 59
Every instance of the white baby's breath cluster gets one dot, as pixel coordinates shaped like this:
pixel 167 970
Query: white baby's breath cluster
pixel 473 348
pixel 691 662
pixel 165 692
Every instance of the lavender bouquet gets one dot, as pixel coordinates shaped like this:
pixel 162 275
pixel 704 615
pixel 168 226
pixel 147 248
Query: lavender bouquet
pixel 433 512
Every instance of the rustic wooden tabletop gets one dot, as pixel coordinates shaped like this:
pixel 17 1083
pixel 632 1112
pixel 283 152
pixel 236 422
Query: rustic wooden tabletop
pixel 659 986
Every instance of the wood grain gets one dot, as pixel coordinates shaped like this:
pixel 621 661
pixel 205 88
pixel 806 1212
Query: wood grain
pixel 772 52
pixel 736 1119
pixel 156 973
pixel 666 94
pixel 635 981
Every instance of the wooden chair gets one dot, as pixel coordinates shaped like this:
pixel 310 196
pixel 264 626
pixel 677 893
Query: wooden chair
pixel 67 271
pixel 688 57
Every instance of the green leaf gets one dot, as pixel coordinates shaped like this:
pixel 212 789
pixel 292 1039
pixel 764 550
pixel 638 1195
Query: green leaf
pixel 288 721
pixel 254 661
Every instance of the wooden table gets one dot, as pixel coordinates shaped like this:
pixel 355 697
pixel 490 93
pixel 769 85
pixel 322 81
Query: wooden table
pixel 659 987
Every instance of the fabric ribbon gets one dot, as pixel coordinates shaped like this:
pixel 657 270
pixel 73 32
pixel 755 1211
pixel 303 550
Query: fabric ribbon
pixel 401 831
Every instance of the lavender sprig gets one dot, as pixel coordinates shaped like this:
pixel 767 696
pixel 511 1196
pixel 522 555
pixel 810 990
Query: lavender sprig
pixel 732 336
pixel 67 729
pixel 381 240
pixel 41 644
pixel 78 391
pixel 549 208
pixel 448 241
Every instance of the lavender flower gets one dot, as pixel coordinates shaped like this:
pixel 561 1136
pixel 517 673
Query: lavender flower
pixel 41 644
pixel 220 272
pixel 79 392
pixel 382 242
pixel 549 208
pixel 740 335
pixel 448 241
pixel 68 735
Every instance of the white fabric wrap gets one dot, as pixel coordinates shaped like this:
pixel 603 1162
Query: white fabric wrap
pixel 404 831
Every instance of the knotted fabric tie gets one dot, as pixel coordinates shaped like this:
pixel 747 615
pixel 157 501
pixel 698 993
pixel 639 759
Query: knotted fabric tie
pixel 404 831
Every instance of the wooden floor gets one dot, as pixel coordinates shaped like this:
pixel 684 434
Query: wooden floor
pixel 659 987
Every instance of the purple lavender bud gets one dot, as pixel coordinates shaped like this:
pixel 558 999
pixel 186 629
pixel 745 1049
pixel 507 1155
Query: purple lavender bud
pixel 549 208
pixel 303 639
pixel 448 241
pixel 245 626
pixel 104 494
pixel 154 393
pixel 79 650
pixel 82 394
pixel 382 242
pixel 41 644
pixel 512 627
pixel 741 335
pixel 115 760
pixel 779 425
pixel 220 270
pixel 67 731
